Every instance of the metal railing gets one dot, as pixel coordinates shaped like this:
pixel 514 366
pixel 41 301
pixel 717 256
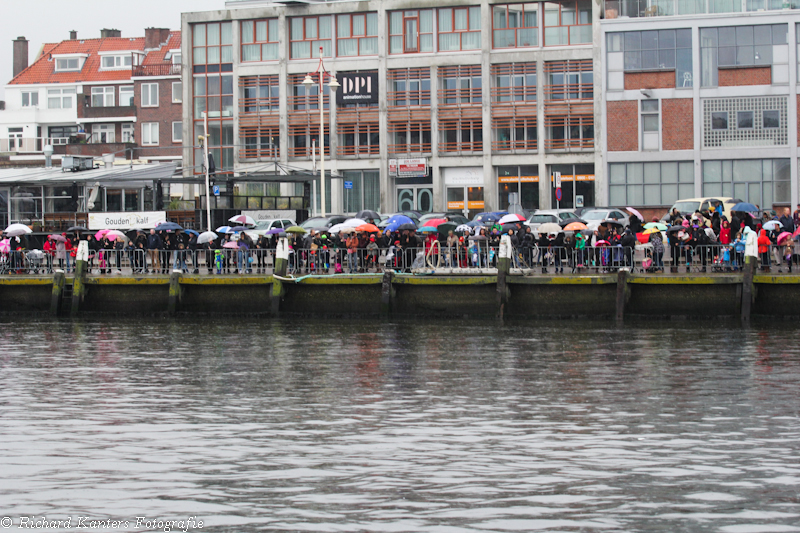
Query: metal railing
pixel 29 144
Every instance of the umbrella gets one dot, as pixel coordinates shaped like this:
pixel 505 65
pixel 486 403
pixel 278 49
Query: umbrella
pixel 658 225
pixel 635 212
pixel 353 222
pixel 575 226
pixel 274 231
pixel 168 226
pixel 397 220
pixel 643 238
pixel 434 222
pixel 294 229
pixel 5 246
pixel 673 229
pixel 100 234
pixel 57 237
pixel 475 223
pixel 403 227
pixel 346 230
pixel 772 225
pixel 445 228
pixel 224 229
pixel 783 236
pixel 369 228
pixel 549 227
pixel 78 229
pixel 507 219
pixel 243 220
pixel 745 207
pixel 612 221
pixel 479 238
pixel 368 214
pixel 650 231
pixel 238 228
pixel 15 230
pixel 602 243
pixel 466 228
pixel 113 233
pixel 206 236
pixel 336 228
pixel 230 244
pixel 427 229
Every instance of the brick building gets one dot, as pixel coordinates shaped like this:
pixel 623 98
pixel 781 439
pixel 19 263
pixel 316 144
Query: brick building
pixel 699 103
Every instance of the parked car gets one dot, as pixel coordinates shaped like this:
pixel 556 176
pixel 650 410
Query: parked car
pixel 263 226
pixel 322 222
pixel 456 217
pixel 688 206
pixel 413 215
pixel 594 217
pixel 556 216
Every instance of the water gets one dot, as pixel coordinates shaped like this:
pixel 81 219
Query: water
pixel 411 426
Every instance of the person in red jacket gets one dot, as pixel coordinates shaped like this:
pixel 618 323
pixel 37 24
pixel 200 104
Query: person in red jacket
pixel 49 249
pixel 725 233
pixel 763 249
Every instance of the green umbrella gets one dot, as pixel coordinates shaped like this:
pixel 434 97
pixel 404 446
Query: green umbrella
pixel 447 227
pixel 294 229
pixel 658 225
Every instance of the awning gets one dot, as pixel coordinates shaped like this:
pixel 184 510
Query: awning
pixel 119 174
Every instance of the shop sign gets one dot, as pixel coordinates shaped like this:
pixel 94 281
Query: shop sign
pixel 269 214
pixel 127 220
pixel 520 179
pixel 412 168
pixel 357 88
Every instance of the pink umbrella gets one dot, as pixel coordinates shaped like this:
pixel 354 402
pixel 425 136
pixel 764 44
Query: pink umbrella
pixel 5 246
pixel 602 243
pixel 635 212
pixel 230 244
pixel 114 233
pixel 783 236
pixel 57 237
pixel 100 234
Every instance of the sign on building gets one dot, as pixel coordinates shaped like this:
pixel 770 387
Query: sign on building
pixel 357 88
pixel 411 168
pixel 127 220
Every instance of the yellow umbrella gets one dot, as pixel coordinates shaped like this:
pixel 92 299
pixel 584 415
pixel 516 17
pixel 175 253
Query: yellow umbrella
pixel 575 226
pixel 650 231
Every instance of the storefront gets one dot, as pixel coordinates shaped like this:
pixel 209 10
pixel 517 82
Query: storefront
pixel 577 186
pixel 523 180
pixel 464 190
pixel 413 184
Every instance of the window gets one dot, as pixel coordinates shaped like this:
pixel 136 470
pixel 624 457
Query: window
pixel 637 51
pixel 365 193
pixel 102 133
pixel 149 95
pixel 357 35
pixel 307 99
pixel 460 85
pixel 72 63
pixel 126 95
pixel 762 181
pixel 570 80
pixel 650 127
pixel 576 181
pixel 260 142
pixel 358 138
pixel 176 58
pixel 177 92
pixel 410 87
pixel 60 98
pixel 411 137
pixel 772 119
pixel 177 132
pixel 655 183
pixel 116 62
pixel 212 47
pixel 514 82
pixel 126 130
pixel 738 46
pixel 213 94
pixel 744 120
pixel 102 96
pixel 62 132
pixel 259 94
pixel 411 32
pixel 567 22
pixel 514 134
pixel 515 26
pixel 30 99
pixel 719 120
pixel 522 180
pixel 463 135
pixel 150 134
pixel 459 28
pixel 260 40
pixel 570 132
pixel 308 34
pixel 305 137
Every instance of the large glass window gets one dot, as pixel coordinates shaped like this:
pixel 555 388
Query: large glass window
pixel 212 47
pixel 126 95
pixel 763 182
pixel 357 34
pixel 365 192
pixel 570 80
pixel 103 96
pixel 514 82
pixel 259 94
pixel 308 34
pixel 567 22
pixel 738 46
pixel 60 98
pixel 523 180
pixel 411 31
pixel 259 40
pixel 637 51
pixel 460 85
pixel 459 28
pixel 577 185
pixel 410 87
pixel 515 25
pixel 213 94
pixel 650 184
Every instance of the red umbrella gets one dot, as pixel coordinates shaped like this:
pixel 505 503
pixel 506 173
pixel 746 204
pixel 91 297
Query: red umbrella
pixel 602 243
pixel 434 222
pixel 783 236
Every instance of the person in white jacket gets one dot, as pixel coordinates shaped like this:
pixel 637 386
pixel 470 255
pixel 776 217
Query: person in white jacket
pixel 750 244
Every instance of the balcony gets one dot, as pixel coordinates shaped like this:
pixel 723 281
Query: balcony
pixel 156 70
pixel 663 8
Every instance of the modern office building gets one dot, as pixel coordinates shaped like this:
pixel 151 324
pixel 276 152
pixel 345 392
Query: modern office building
pixel 700 99
pixel 449 106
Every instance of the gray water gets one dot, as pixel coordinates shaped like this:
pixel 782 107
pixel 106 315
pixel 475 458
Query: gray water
pixel 448 426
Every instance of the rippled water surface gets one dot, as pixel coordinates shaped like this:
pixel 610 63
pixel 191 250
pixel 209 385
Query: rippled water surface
pixel 411 426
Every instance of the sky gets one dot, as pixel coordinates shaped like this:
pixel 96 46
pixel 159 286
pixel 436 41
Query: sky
pixel 50 21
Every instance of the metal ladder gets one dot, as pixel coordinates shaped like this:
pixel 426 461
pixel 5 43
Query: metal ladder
pixel 66 298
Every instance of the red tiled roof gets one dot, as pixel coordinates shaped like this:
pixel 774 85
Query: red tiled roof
pixel 43 68
pixel 156 57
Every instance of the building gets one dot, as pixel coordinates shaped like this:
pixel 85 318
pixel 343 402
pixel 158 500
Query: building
pixel 699 99
pixel 468 101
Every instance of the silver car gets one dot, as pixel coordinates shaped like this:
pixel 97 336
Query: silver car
pixel 556 216
pixel 594 217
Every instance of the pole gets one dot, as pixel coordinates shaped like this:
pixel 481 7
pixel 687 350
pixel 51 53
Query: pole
pixel 321 140
pixel 314 183
pixel 208 189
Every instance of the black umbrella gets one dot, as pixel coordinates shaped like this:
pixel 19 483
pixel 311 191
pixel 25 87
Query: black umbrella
pixel 368 214
pixel 403 227
pixel 77 229
pixel 168 226
pixel 673 229
pixel 614 222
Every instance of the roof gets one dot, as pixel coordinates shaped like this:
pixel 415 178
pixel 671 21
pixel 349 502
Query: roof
pixel 42 71
pixel 119 174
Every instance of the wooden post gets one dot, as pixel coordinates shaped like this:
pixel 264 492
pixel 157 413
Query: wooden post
pixel 59 280
pixel 174 292
pixel 622 294
pixel 748 289
pixel 279 270
pixel 503 268
pixel 79 283
pixel 387 293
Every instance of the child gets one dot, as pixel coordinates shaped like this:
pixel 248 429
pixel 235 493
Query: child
pixel 788 252
pixel 219 260
pixel 372 253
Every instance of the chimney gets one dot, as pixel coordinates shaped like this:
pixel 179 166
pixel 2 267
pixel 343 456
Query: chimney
pixel 73 35
pixel 20 55
pixel 105 32
pixel 155 37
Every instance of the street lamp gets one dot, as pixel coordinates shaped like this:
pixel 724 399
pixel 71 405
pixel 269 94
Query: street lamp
pixel 332 85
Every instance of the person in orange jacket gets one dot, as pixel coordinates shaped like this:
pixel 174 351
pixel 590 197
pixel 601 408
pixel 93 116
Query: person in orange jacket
pixel 763 249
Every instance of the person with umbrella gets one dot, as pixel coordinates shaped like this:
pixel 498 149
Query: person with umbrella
pixel 61 250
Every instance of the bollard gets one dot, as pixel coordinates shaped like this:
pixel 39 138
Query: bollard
pixel 174 292
pixel 59 280
pixel 623 293
pixel 748 288
pixel 503 268
pixel 280 267
pixel 79 283
pixel 387 293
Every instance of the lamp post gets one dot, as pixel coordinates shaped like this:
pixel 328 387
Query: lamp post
pixel 204 140
pixel 332 85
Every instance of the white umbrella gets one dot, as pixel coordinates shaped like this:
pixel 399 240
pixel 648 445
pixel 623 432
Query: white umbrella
pixel 549 227
pixel 206 236
pixel 464 228
pixel 511 218
pixel 353 222
pixel 15 230
pixel 635 212
pixel 243 220
pixel 116 233
pixel 769 226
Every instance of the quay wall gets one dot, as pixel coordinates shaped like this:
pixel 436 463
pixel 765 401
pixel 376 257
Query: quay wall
pixel 395 295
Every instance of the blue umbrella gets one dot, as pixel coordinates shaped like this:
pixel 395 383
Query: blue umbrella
pixel 398 220
pixel 191 232
pixel 427 229
pixel 224 229
pixel 744 206
pixel 274 231
pixel 239 228
pixel 168 226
